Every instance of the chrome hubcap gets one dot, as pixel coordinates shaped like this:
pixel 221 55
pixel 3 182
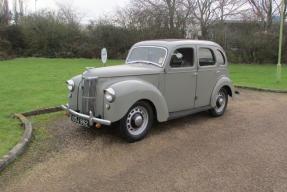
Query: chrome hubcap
pixel 137 120
pixel 220 102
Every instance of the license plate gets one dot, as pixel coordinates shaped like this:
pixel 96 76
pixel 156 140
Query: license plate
pixel 80 121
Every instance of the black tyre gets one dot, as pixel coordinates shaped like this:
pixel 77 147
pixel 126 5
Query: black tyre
pixel 221 103
pixel 135 125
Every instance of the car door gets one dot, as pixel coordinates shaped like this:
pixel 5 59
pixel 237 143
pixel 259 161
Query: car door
pixel 207 75
pixel 180 79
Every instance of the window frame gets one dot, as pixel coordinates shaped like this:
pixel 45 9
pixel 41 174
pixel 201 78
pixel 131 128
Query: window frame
pixel 193 60
pixel 213 54
pixel 223 56
pixel 148 46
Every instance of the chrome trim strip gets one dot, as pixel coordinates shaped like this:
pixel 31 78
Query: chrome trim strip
pixel 89 78
pixel 89 117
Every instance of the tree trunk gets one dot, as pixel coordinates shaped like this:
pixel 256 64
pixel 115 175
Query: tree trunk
pixel 204 31
pixel 269 19
pixel 171 13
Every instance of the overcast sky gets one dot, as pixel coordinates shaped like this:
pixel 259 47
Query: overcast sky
pixel 89 9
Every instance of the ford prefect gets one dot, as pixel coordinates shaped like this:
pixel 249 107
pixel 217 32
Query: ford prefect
pixel 160 80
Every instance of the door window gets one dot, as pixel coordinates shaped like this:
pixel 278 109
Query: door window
pixel 206 57
pixel 220 58
pixel 183 57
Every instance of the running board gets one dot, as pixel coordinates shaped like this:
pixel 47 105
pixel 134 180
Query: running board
pixel 179 114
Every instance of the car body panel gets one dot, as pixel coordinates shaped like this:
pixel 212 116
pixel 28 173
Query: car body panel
pixel 222 82
pixel 123 70
pixel 176 85
pixel 126 97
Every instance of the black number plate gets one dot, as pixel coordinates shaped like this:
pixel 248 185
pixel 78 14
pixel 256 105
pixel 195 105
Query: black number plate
pixel 80 121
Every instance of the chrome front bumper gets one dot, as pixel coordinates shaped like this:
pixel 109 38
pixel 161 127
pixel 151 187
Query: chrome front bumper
pixel 90 117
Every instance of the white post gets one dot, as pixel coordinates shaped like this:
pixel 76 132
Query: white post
pixel 279 65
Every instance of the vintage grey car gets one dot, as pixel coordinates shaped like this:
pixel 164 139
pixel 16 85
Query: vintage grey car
pixel 161 80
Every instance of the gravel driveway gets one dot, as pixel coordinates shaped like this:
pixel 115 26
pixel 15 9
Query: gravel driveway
pixel 245 150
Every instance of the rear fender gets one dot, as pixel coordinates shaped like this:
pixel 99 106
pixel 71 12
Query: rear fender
pixel 223 82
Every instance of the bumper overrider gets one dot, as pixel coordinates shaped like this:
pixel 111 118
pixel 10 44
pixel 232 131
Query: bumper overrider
pixel 92 120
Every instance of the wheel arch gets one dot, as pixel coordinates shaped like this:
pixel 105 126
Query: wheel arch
pixel 127 97
pixel 152 106
pixel 228 89
pixel 225 83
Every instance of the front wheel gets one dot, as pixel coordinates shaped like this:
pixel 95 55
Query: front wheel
pixel 135 125
pixel 221 103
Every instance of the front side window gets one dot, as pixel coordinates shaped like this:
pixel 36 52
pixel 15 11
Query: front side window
pixel 206 57
pixel 146 54
pixel 183 57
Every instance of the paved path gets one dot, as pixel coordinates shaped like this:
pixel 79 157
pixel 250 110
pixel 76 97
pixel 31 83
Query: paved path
pixel 245 150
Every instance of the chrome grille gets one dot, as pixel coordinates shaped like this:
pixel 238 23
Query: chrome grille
pixel 89 95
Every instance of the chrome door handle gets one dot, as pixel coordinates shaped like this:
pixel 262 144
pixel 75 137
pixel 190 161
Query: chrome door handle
pixel 195 73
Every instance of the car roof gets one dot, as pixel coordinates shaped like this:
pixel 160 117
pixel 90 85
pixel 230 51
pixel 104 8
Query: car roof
pixel 169 43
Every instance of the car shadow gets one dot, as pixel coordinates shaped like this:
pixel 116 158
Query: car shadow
pixel 179 123
pixel 110 134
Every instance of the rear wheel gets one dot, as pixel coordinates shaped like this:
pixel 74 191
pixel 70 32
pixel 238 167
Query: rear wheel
pixel 135 125
pixel 221 103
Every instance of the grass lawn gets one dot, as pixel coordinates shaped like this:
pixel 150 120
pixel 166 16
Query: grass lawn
pixel 259 76
pixel 32 83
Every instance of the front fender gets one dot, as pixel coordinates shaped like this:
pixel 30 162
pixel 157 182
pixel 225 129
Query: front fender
pixel 223 82
pixel 128 93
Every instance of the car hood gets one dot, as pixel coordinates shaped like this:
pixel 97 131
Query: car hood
pixel 122 70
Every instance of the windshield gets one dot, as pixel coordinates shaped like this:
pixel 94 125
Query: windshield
pixel 151 55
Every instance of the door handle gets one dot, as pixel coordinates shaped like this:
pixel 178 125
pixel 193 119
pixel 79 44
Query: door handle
pixel 195 73
pixel 217 72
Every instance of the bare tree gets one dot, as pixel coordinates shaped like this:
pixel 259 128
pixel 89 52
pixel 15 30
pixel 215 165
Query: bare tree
pixel 123 17
pixel 2 2
pixel 172 15
pixel 18 10
pixel 179 15
pixel 229 8
pixel 68 13
pixel 5 13
pixel 265 10
pixel 207 12
pixel 204 14
pixel 169 7
pixel 184 16
pixel 285 11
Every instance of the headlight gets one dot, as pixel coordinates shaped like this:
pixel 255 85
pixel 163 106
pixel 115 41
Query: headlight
pixel 70 85
pixel 110 95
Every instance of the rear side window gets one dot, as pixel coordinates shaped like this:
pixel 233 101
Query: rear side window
pixel 220 58
pixel 206 57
